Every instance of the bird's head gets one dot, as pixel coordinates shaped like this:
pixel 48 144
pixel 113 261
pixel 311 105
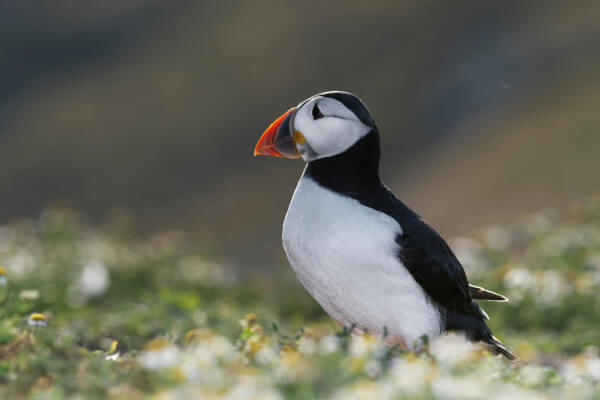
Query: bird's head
pixel 324 125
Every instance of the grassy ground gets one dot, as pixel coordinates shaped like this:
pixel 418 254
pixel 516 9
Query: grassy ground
pixel 91 312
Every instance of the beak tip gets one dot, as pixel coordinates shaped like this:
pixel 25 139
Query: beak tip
pixel 267 145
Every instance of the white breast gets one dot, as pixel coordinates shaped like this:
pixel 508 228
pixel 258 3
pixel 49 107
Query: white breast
pixel 345 255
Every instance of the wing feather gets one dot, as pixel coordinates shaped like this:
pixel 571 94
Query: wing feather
pixel 479 293
pixel 433 265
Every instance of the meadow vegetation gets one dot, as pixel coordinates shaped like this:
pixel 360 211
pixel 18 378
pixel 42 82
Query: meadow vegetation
pixel 92 312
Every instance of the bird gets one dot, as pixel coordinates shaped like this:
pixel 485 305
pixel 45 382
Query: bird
pixel 369 260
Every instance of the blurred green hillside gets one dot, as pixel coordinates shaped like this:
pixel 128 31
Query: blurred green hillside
pixel 487 109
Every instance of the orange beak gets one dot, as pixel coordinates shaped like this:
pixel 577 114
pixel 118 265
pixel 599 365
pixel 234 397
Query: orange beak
pixel 278 139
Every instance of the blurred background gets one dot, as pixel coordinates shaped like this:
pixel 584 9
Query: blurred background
pixel 487 110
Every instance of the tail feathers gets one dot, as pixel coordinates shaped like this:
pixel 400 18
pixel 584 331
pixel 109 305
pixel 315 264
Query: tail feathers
pixel 471 322
pixel 479 293
pixel 496 347
pixel 481 311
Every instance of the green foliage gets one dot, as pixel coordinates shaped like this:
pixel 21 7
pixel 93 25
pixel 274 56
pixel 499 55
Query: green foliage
pixel 97 313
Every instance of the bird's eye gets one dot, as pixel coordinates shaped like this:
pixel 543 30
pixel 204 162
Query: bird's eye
pixel 316 113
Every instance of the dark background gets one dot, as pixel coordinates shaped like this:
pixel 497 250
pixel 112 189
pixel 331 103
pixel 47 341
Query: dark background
pixel 487 110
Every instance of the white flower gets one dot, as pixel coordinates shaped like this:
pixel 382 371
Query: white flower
pixel 206 352
pixel 251 389
pixel 202 367
pixel 329 344
pixel 592 367
pixel 364 390
pixel 363 345
pixel 159 354
pixel 29 294
pixel 519 278
pixel 94 278
pixel 221 348
pixel 410 376
pixel 453 349
pixel 3 280
pixel 532 375
pixel 586 365
pixel 37 319
pixel 265 355
pixel 513 392
pixel 112 357
pixel 307 346
pixel 459 388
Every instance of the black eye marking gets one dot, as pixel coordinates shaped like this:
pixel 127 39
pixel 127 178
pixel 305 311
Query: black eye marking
pixel 316 113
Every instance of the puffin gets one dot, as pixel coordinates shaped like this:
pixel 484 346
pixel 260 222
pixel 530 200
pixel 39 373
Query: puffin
pixel 370 261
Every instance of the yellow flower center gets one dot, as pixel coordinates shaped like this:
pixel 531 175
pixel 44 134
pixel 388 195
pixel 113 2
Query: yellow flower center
pixel 38 317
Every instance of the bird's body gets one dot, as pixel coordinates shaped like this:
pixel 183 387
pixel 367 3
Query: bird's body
pixel 350 265
pixel 366 257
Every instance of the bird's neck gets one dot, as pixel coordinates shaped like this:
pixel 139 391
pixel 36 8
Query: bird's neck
pixel 353 172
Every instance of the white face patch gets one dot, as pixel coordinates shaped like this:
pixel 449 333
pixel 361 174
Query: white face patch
pixel 333 133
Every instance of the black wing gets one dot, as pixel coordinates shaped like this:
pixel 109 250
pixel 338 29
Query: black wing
pixel 433 264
